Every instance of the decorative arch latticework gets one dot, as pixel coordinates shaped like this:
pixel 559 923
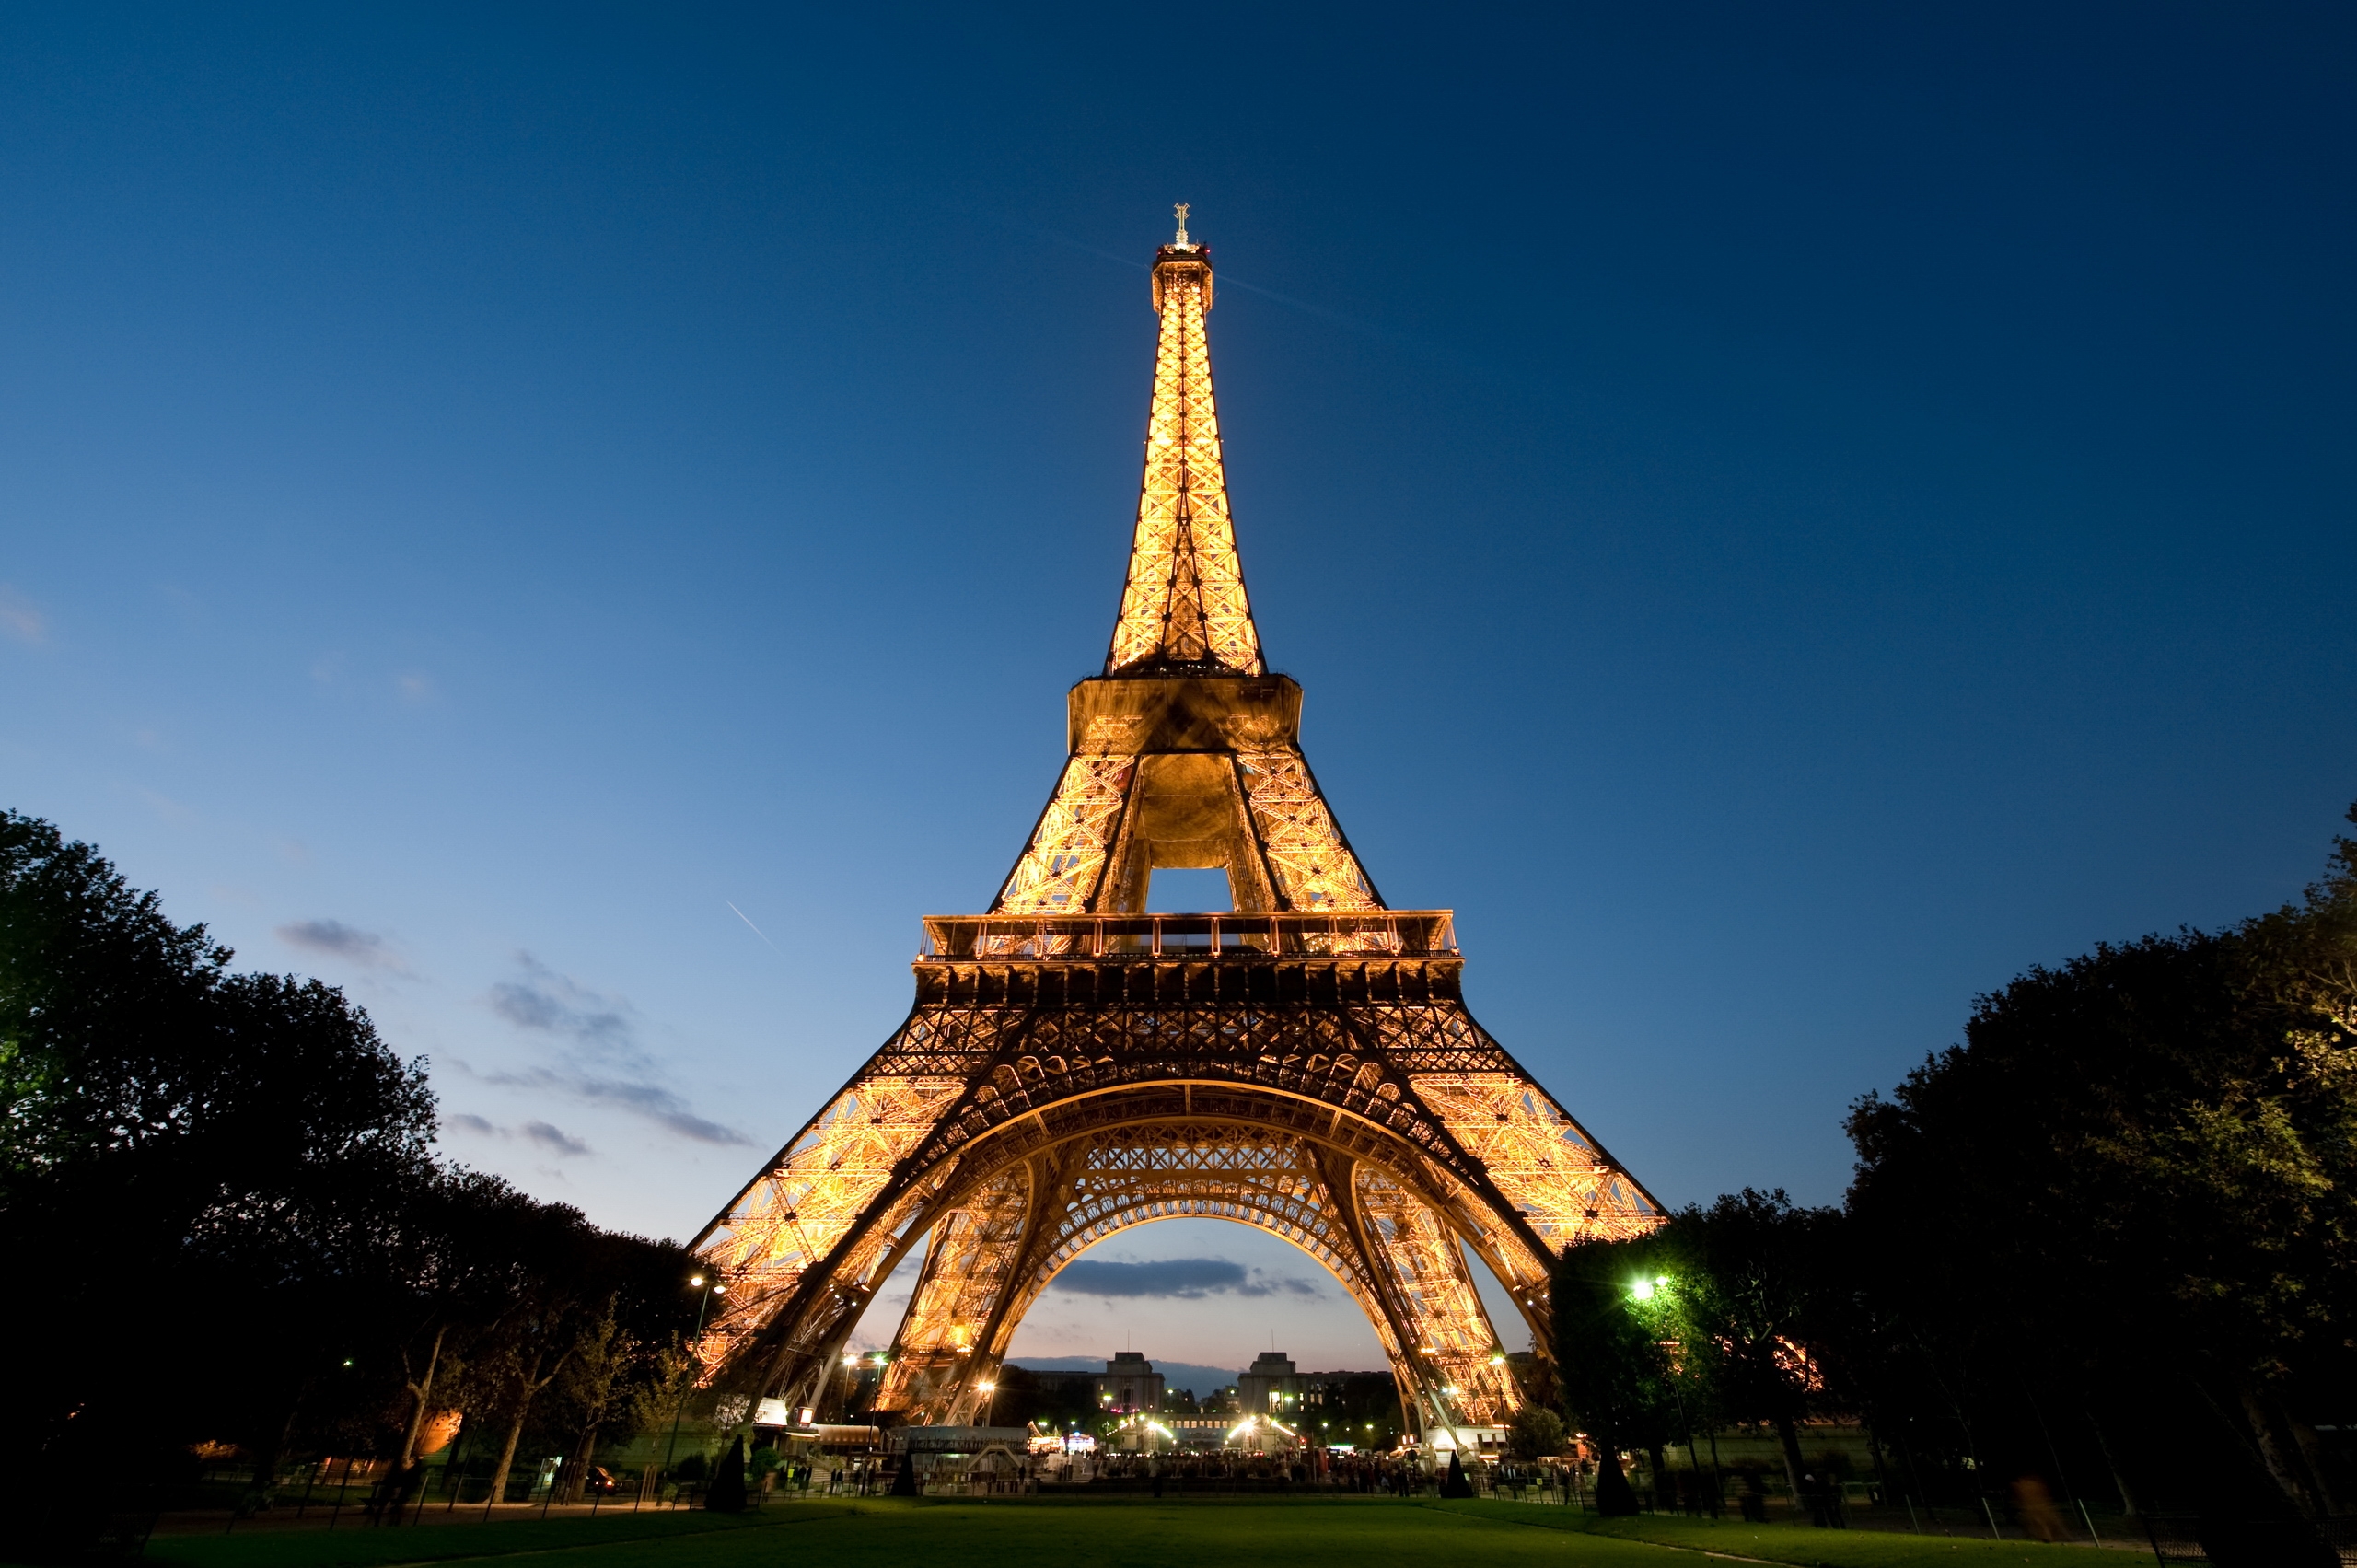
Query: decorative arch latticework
pixel 1097 1186
pixel 1066 1124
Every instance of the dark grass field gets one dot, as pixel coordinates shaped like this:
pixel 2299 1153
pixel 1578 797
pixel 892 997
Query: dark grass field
pixel 1055 1533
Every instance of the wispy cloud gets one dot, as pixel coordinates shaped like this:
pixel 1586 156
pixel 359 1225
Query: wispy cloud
pixel 613 1070
pixel 20 620
pixel 549 1003
pixel 1187 1278
pixel 552 1138
pixel 650 1102
pixel 338 940
pixel 541 1135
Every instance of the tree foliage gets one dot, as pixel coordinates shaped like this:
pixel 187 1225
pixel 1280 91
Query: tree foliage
pixel 1537 1434
pixel 2141 1163
pixel 1708 1321
pixel 2123 1207
pixel 225 1182
pixel 1614 1368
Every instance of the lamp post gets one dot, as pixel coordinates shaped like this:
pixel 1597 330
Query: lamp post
pixel 680 1409
pixel 1644 1291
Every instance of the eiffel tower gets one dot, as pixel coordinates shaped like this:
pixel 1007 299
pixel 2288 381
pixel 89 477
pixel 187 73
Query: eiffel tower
pixel 1302 1061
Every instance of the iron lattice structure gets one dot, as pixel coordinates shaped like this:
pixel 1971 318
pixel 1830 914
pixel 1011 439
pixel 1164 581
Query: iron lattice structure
pixel 1304 1063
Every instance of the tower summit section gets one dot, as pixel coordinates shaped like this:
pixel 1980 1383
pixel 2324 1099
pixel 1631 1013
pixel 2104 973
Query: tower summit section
pixel 1185 752
pixel 1183 607
pixel 1301 1062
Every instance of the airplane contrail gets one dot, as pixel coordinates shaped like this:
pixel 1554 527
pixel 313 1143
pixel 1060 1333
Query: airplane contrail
pixel 756 930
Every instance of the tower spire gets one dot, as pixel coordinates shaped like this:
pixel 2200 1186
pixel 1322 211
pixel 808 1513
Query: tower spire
pixel 1183 607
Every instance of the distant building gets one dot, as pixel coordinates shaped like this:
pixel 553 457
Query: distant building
pixel 1129 1384
pixel 1351 1407
pixel 1248 1434
pixel 1198 1433
pixel 1270 1386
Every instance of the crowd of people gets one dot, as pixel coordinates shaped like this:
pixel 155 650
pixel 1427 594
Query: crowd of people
pixel 1318 1469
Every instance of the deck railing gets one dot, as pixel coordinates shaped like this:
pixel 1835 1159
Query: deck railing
pixel 1291 934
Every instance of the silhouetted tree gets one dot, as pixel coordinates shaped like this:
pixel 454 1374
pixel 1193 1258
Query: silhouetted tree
pixel 1610 1361
pixel 726 1494
pixel 202 1165
pixel 2139 1176
pixel 1752 1281
pixel 1537 1433
pixel 234 1175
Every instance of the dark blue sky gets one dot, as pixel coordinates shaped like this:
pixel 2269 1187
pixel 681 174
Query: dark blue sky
pixel 1786 515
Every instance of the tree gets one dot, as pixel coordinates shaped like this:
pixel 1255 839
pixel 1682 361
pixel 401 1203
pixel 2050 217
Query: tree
pixel 1752 1278
pixel 475 1254
pixel 233 1174
pixel 727 1494
pixel 1537 1434
pixel 523 1348
pixel 302 1142
pixel 200 1164
pixel 658 1398
pixel 520 1378
pixel 1610 1360
pixel 1715 1317
pixel 2142 1167
pixel 596 1380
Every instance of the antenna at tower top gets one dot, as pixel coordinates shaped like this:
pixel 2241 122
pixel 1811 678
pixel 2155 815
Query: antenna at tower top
pixel 1181 210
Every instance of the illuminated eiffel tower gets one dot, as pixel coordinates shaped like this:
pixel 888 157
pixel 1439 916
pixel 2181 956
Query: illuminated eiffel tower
pixel 1072 1066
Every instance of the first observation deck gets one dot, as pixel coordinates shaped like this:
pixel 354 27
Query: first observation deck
pixel 1165 959
pixel 1357 934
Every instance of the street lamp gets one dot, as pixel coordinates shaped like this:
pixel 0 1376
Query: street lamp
pixel 680 1409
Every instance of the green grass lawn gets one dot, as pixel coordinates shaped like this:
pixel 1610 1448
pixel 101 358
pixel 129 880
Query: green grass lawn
pixel 1799 1544
pixel 617 1539
pixel 1111 1533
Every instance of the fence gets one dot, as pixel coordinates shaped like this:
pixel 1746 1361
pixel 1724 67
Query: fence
pixel 354 1493
pixel 2260 1543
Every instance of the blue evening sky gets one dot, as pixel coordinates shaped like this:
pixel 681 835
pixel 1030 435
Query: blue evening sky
pixel 1786 515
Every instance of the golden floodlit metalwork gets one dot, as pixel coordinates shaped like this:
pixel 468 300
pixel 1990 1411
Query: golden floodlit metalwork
pixel 1303 1063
